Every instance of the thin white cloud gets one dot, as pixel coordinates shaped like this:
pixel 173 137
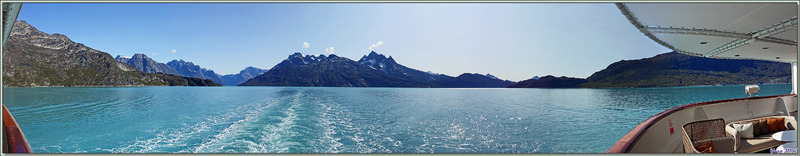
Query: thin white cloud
pixel 306 45
pixel 173 51
pixel 329 51
pixel 376 45
pixel 155 53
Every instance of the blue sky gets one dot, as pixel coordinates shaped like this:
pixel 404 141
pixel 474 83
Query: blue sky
pixel 514 41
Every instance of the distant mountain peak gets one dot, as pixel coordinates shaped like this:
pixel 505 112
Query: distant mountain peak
pixel 125 57
pixel 189 69
pixel 23 28
pixel 388 65
pixel 297 54
pixel 139 55
pixel 244 75
pixel 375 60
pixel 146 64
pixel 302 59
pixel 40 39
pixel 491 76
pixel 250 68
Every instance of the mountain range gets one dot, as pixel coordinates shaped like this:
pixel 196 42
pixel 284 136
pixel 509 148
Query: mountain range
pixel 34 58
pixel 146 64
pixel 372 70
pixel 389 66
pixel 189 69
pixel 242 76
pixel 676 69
pixel 327 71
pixel 672 69
pixel 549 81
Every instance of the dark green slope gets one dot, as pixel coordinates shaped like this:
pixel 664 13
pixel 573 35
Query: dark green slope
pixel 674 69
pixel 550 81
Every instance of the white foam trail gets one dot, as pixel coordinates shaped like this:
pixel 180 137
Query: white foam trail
pixel 174 138
pixel 333 142
pixel 270 138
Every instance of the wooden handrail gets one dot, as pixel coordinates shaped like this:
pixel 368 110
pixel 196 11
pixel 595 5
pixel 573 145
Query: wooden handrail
pixel 625 143
pixel 14 141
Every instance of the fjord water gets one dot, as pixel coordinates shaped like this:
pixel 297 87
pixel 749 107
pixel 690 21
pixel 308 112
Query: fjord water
pixel 342 120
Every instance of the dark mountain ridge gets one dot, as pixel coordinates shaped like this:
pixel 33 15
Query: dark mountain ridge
pixel 550 81
pixel 675 69
pixel 331 71
pixel 373 70
pixel 472 80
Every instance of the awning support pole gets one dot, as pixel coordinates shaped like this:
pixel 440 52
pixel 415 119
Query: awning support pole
pixel 794 78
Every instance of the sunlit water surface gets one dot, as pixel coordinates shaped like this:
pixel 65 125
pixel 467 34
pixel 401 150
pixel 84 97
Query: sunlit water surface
pixel 342 120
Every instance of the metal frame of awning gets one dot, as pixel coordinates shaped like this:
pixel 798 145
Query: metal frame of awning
pixel 739 39
pixel 10 13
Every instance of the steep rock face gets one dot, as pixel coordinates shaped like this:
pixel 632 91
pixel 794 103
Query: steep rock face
pixel 242 76
pixel 472 80
pixel 676 69
pixel 189 69
pixel 146 64
pixel 328 71
pixel 35 58
pixel 391 67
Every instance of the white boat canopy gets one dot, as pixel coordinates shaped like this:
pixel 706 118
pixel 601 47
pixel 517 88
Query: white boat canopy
pixel 760 31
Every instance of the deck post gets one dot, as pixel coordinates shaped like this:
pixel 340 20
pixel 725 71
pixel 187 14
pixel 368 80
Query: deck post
pixel 794 78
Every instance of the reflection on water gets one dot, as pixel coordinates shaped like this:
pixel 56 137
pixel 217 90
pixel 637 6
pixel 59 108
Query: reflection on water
pixel 342 120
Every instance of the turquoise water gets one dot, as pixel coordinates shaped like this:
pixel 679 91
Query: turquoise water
pixel 342 120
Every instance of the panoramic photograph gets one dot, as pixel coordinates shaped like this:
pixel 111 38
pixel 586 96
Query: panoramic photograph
pixel 399 77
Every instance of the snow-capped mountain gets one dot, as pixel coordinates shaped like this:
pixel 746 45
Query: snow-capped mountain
pixel 303 59
pixel 388 65
pixel 372 70
pixel 330 71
